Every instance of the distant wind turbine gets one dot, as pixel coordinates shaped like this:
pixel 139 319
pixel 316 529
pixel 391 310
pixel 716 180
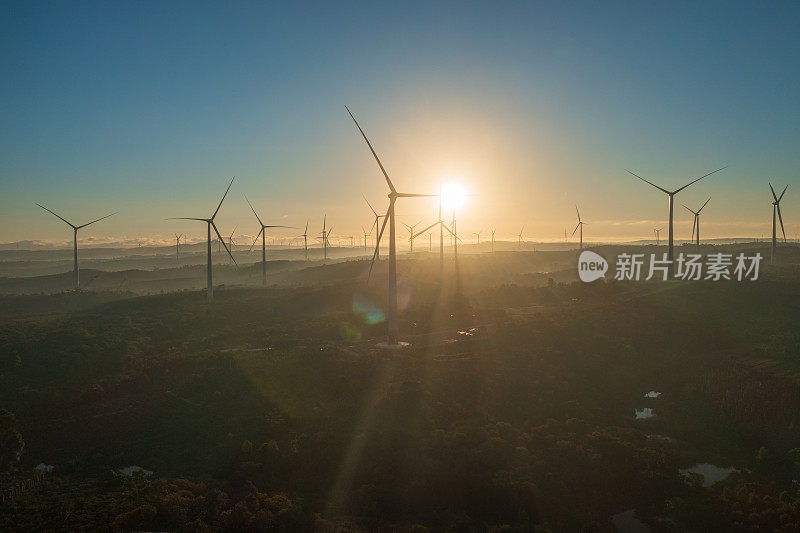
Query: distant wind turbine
pixel 696 222
pixel 776 208
pixel 392 340
pixel 230 240
pixel 177 246
pixel 75 239
pixel 263 234
pixel 671 195
pixel 442 227
pixel 478 234
pixel 520 240
pixel 375 224
pixel 411 235
pixel 365 237
pixel 657 233
pixel 579 226
pixel 305 239
pixel 493 241
pixel 210 224
pixel 325 236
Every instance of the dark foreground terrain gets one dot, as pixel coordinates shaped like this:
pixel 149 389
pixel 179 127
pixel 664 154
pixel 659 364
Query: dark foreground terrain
pixel 550 405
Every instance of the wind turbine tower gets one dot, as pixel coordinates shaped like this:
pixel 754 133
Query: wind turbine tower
pixel 177 246
pixel 671 196
pixel 263 234
pixel 75 229
pixel 696 222
pixel 579 226
pixel 305 239
pixel 392 338
pixel 776 209
pixel 210 224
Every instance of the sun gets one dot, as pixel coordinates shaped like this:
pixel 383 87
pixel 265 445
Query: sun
pixel 453 196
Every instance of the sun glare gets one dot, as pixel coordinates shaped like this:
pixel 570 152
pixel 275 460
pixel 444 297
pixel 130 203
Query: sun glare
pixel 453 196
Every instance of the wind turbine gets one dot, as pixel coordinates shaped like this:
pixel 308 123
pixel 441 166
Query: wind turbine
pixel 478 234
pixel 442 227
pixel 263 234
pixel 210 224
pixel 305 239
pixel 377 218
pixel 230 240
pixel 75 239
pixel 657 233
pixel 177 246
pixel 493 240
pixel 391 341
pixel 324 237
pixel 671 195
pixel 519 237
pixel 411 235
pixel 696 222
pixel 580 225
pixel 776 208
pixel 365 236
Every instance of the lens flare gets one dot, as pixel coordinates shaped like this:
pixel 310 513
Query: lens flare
pixel 366 311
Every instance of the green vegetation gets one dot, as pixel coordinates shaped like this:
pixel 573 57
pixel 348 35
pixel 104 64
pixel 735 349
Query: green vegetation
pixel 270 409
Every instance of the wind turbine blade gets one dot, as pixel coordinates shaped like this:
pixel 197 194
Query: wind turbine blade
pixel 780 218
pixel 784 192
pixel 59 216
pixel 385 175
pixel 252 208
pixel 576 229
pixel 188 218
pixel 684 205
pixel 449 230
pixel 223 240
pixel 292 227
pixel 775 196
pixel 650 182
pixel 694 223
pixel 377 245
pixel 306 231
pixel 256 239
pixel 579 213
pixel 370 205
pixel 426 229
pixel 411 195
pixel 96 220
pixel 702 206
pixel 223 199
pixel 698 179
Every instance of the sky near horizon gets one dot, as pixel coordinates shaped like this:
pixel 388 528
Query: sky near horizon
pixel 149 109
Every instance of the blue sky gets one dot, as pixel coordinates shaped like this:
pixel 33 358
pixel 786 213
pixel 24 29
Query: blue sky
pixel 150 108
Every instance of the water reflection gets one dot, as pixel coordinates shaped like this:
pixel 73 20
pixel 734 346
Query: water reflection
pixel 711 473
